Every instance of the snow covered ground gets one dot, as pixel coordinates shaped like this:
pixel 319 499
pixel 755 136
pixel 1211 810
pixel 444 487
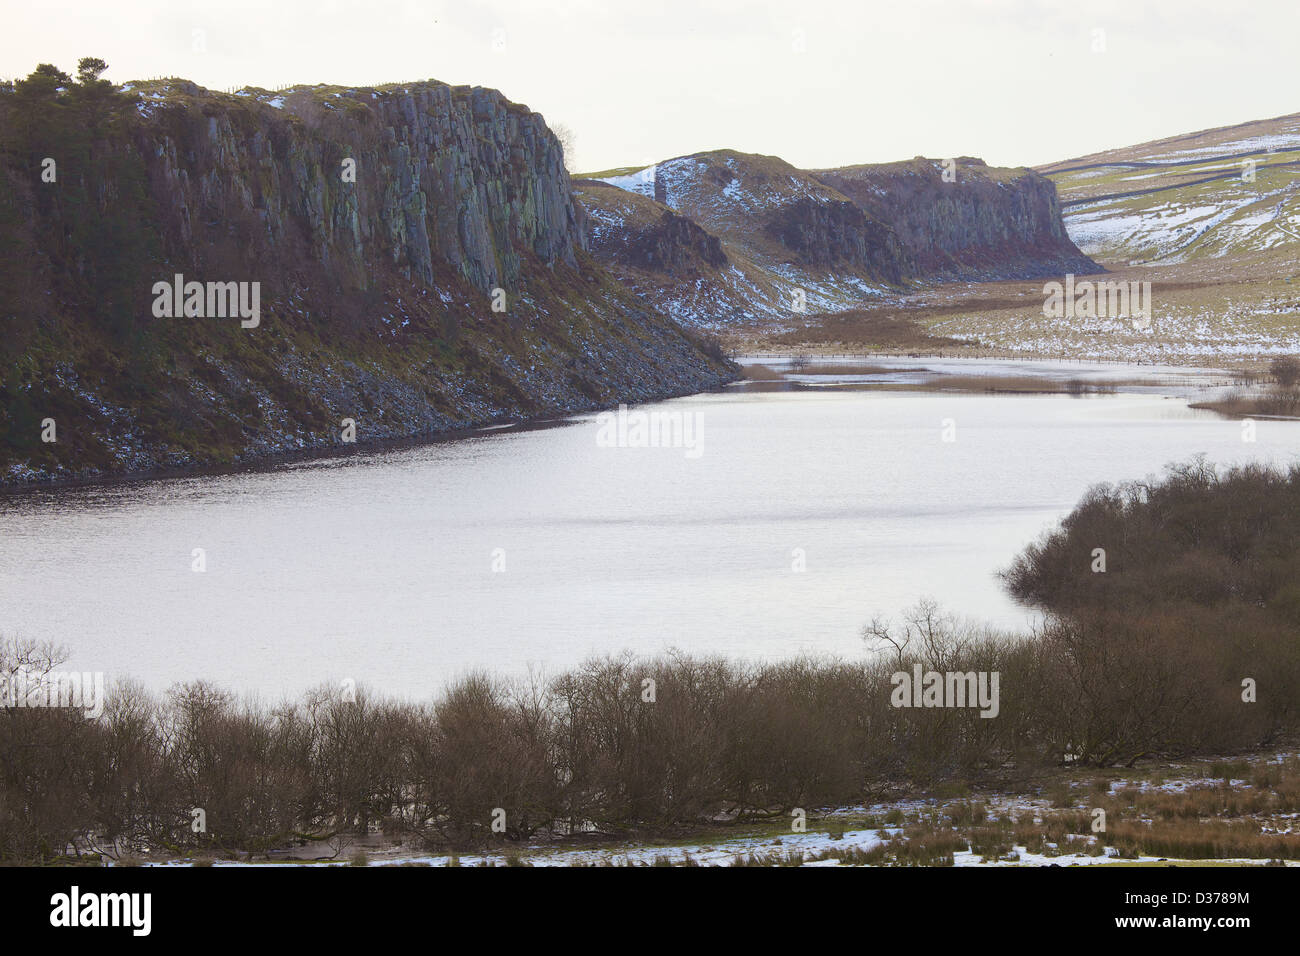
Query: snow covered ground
pixel 724 853
pixel 814 847
pixel 1226 191
pixel 843 836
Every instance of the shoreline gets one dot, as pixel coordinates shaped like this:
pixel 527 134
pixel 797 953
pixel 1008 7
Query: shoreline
pixel 1094 372
pixel 272 461
pixel 759 357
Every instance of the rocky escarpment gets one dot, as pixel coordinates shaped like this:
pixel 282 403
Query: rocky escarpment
pixel 825 241
pixel 778 216
pixel 667 259
pixel 420 264
pixel 789 244
pixel 836 235
pixel 975 222
pixel 675 244
pixel 422 175
pixel 636 232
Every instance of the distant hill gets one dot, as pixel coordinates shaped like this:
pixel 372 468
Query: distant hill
pixel 1208 194
pixel 827 239
pixel 784 238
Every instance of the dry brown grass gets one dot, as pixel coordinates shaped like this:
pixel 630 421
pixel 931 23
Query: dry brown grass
pixel 1196 815
pixel 1020 384
pixel 1204 840
pixel 880 329
pixel 1238 298
pixel 850 368
pixel 761 373
pixel 1277 402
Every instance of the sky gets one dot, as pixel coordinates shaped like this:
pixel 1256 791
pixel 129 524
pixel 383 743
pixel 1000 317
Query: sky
pixel 819 83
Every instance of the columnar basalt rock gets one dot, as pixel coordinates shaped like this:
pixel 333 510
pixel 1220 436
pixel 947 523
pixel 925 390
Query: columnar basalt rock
pixel 798 240
pixel 419 257
pixel 837 235
pixel 446 174
pixel 961 218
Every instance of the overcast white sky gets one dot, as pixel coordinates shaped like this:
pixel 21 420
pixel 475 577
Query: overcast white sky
pixel 817 82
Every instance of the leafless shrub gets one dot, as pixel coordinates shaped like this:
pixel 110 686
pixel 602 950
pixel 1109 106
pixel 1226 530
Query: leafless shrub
pixel 1285 370
pixel 1147 658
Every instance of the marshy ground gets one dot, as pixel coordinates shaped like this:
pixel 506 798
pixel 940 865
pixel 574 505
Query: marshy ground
pixel 1235 811
pixel 1233 312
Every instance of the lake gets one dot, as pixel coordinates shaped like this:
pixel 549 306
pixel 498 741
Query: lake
pixel 794 517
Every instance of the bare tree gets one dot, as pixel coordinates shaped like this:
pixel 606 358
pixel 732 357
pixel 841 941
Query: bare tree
pixel 1285 370
pixel 568 142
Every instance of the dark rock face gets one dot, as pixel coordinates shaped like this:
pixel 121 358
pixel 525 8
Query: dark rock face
pixel 986 224
pixel 632 230
pixel 378 225
pixel 443 174
pixel 675 244
pixel 779 216
pixel 837 235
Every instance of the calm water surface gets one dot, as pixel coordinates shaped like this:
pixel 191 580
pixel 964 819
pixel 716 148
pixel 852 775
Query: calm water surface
pixel 379 567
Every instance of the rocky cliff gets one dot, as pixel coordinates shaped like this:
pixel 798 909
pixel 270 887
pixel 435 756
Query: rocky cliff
pixel 836 234
pixel 418 259
pixel 789 243
pixel 422 175
pixel 975 222
pixel 780 216
pixel 827 240
pixel 637 232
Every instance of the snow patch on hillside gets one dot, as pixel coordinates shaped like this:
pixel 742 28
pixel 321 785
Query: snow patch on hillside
pixel 642 181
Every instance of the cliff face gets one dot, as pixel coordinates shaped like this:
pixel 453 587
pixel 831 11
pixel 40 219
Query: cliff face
pixel 420 261
pixel 780 216
pixel 675 245
pixel 634 232
pixel 420 175
pixel 836 235
pixel 786 243
pixel 828 240
pixel 982 223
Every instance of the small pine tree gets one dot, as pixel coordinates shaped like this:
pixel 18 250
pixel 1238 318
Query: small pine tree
pixel 88 70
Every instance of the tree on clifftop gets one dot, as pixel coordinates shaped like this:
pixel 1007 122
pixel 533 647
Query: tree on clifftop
pixel 88 70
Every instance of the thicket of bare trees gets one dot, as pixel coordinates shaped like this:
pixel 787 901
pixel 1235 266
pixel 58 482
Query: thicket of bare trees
pixel 1200 592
